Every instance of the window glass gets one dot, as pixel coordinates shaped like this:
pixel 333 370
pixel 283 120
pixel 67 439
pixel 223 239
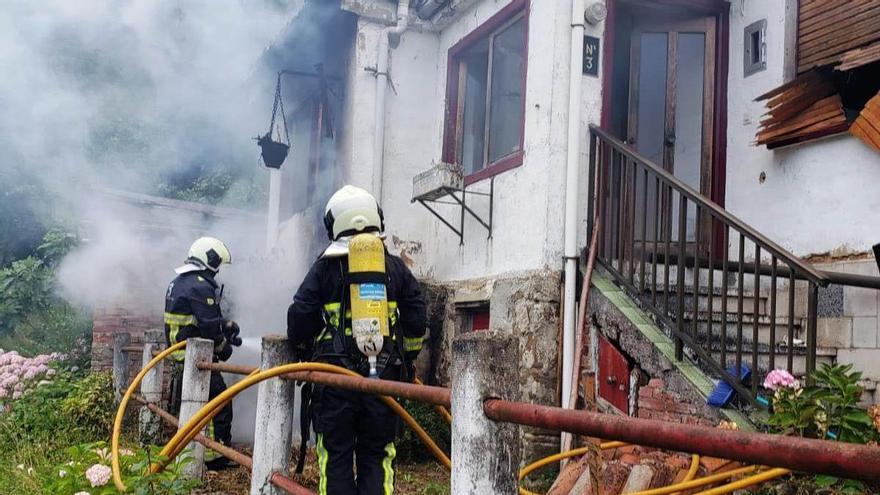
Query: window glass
pixel 475 72
pixel 506 106
pixel 489 109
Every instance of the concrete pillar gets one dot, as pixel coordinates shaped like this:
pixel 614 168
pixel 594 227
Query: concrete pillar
pixel 485 454
pixel 193 396
pixel 120 364
pixel 150 425
pixel 274 425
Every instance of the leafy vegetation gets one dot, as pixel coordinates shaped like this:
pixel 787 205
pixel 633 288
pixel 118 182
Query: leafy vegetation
pixel 34 319
pixel 409 446
pixel 826 409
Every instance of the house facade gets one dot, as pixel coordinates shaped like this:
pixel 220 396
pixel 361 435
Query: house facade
pixel 458 115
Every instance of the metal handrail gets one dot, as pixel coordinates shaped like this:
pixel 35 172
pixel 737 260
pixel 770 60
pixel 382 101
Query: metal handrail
pixel 714 208
pixel 628 192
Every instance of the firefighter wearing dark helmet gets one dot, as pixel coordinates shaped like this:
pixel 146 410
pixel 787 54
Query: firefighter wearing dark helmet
pixel 192 309
pixel 354 428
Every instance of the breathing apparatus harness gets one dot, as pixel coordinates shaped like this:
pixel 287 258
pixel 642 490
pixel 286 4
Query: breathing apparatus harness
pixel 374 341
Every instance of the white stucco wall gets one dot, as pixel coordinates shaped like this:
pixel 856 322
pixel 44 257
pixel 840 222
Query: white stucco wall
pixel 817 196
pixel 529 200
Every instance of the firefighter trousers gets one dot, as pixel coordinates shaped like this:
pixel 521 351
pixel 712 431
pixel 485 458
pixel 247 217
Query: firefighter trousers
pixel 353 429
pixel 221 425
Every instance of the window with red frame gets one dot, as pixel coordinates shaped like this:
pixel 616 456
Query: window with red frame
pixel 485 96
pixel 480 320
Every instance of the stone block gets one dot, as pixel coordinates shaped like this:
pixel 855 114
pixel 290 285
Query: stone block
pixel 860 267
pixel 639 479
pixel 864 332
pixel 834 332
pixel 859 302
pixel 865 360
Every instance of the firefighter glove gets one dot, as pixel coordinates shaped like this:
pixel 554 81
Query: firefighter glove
pixel 231 331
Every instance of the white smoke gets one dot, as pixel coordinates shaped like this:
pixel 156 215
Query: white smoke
pixel 103 93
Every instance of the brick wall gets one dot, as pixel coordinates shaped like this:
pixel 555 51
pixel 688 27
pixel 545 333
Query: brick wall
pixel 656 402
pixel 107 322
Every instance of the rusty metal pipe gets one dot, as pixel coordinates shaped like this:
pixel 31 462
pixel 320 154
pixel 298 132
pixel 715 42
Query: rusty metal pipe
pixel 288 485
pixel 800 454
pixel 133 348
pixel 278 479
pixel 236 369
pixel 223 450
pixel 423 393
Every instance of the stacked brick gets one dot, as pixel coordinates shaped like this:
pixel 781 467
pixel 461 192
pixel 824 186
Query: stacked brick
pixel 655 402
pixel 107 322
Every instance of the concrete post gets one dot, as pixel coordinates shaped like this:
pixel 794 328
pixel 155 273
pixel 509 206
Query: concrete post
pixel 149 424
pixel 274 425
pixel 485 454
pixel 120 364
pixel 193 396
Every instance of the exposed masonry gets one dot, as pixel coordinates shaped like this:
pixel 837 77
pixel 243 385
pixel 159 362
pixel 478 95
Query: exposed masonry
pixel 676 391
pixel 525 305
pixel 655 402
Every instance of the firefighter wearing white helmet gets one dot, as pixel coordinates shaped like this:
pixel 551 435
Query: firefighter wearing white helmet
pixel 323 325
pixel 192 309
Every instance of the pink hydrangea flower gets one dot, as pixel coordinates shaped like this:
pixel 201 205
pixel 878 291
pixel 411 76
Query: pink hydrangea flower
pixel 3 393
pixel 780 378
pixel 16 394
pixel 98 475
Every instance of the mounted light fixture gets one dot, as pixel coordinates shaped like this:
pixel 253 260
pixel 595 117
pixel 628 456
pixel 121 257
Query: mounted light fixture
pixel 595 13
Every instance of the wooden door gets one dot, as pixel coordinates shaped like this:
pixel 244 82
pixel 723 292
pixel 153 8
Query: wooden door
pixel 671 108
pixel 613 375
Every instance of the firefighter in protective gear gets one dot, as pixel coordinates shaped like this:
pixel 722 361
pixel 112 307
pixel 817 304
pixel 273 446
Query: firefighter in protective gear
pixel 353 427
pixel 192 309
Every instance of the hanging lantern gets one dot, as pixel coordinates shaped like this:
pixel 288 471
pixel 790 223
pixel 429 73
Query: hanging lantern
pixel 274 152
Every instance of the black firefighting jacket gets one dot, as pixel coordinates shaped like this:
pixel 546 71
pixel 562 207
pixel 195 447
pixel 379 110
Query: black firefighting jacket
pixel 192 309
pixel 314 317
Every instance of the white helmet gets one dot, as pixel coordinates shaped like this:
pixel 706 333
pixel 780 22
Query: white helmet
pixel 209 252
pixel 351 210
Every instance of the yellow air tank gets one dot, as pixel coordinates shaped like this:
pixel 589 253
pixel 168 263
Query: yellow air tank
pixel 369 298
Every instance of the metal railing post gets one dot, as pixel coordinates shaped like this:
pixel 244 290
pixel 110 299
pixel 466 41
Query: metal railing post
pixel 812 313
pixel 193 396
pixel 485 453
pixel 149 424
pixel 274 425
pixel 120 364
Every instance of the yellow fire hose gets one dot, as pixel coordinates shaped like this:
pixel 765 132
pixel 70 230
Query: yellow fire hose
pixel 198 422
pixel 188 431
pixel 692 471
pixel 120 413
pixel 768 475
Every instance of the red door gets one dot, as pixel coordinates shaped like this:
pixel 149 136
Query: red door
pixel 613 375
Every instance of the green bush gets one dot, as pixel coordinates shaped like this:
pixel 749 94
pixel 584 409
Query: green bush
pixel 86 466
pixel 33 318
pixel 59 328
pixel 69 410
pixel 409 446
pixel 827 409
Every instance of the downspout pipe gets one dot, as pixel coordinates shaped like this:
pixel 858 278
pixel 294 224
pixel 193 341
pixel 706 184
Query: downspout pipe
pixel 571 200
pixel 389 36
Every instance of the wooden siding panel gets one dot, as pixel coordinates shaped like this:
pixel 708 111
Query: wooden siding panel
pixel 867 126
pixel 828 29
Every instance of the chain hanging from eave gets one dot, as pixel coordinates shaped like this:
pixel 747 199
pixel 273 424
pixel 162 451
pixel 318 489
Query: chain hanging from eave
pixel 279 104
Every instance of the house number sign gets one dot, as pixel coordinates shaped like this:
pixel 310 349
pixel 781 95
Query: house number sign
pixel 591 56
